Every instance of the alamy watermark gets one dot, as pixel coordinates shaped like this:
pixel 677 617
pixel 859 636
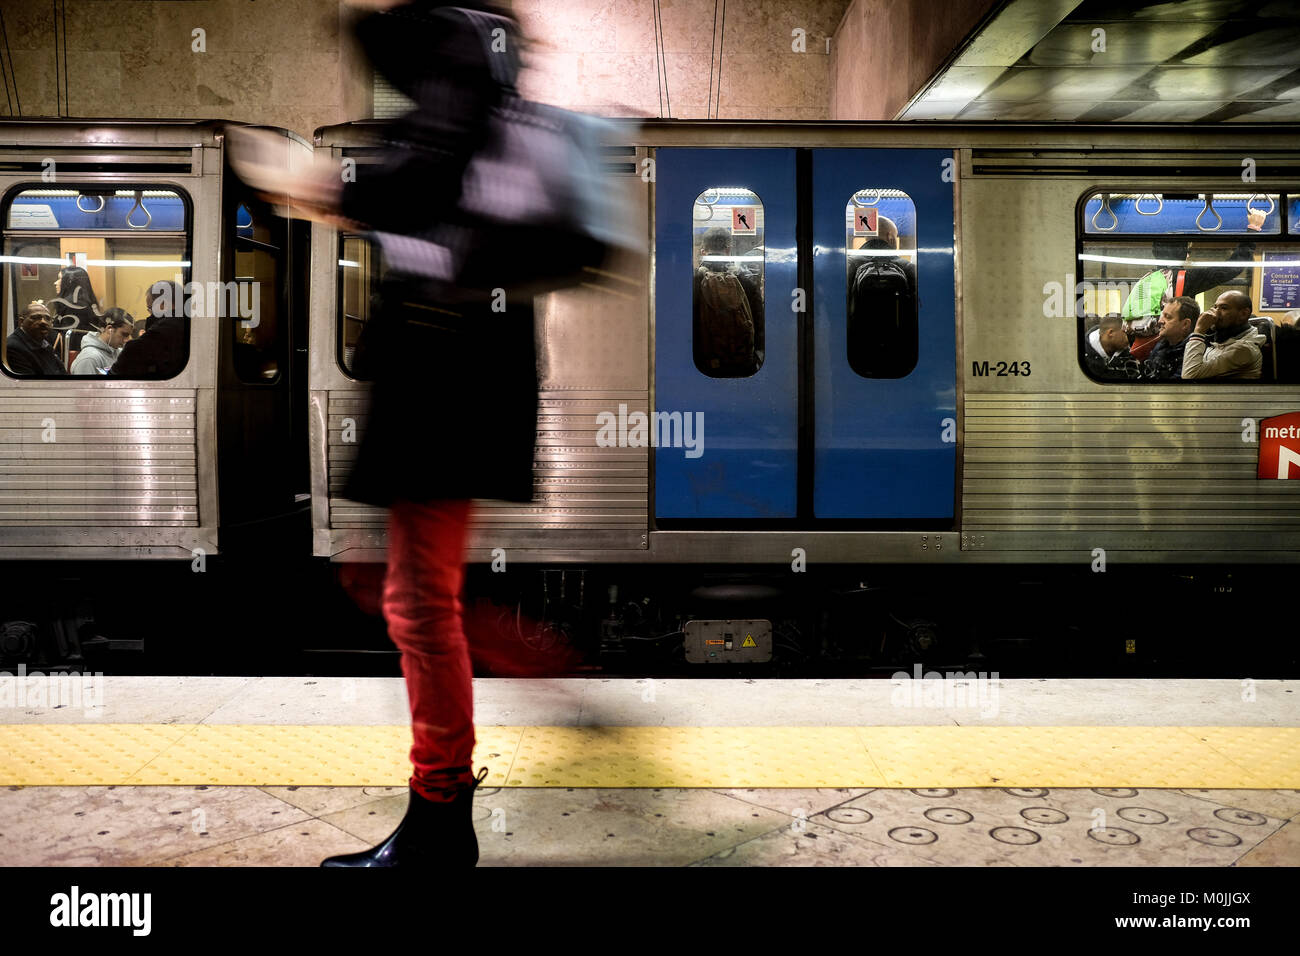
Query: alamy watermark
pixel 51 690
pixel 1057 302
pixel 655 430
pixel 951 689
pixel 214 300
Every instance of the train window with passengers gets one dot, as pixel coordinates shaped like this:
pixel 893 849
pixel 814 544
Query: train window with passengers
pixel 79 264
pixel 1189 287
pixel 880 282
pixel 360 272
pixel 727 286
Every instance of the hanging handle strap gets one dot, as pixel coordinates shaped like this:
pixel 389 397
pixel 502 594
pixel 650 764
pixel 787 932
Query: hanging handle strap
pixel 1209 207
pixel 1105 207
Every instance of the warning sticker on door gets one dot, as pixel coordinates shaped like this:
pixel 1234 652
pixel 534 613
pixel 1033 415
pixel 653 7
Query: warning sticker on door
pixel 744 221
pixel 866 222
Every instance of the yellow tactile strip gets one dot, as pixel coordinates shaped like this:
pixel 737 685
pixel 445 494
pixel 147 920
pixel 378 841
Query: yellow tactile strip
pixel 920 757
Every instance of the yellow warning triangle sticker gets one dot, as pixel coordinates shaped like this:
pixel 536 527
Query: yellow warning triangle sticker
pixel 749 641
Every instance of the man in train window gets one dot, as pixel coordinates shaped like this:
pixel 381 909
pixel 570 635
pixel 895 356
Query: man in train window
pixel 1224 343
pixel 1142 307
pixel 28 351
pixel 1165 363
pixel 1110 356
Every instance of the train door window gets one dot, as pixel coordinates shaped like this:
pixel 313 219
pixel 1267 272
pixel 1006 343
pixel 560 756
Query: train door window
pixel 360 271
pixel 1177 287
pixel 77 264
pixel 253 308
pixel 880 281
pixel 727 293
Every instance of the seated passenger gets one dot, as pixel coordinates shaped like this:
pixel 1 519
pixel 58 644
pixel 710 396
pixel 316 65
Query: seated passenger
pixel 1142 307
pixel 162 352
pixel 1165 363
pixel 728 310
pixel 100 350
pixel 1110 356
pixel 1234 350
pixel 29 350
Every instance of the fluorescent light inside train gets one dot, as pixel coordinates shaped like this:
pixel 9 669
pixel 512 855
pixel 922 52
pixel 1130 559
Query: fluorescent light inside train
pixel 110 263
pixel 1209 264
pixel 900 252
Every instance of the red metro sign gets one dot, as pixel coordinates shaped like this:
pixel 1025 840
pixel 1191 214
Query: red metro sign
pixel 1279 447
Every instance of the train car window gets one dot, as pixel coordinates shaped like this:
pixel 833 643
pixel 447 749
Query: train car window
pixel 1191 287
pixel 77 264
pixel 882 303
pixel 727 285
pixel 360 271
pixel 259 279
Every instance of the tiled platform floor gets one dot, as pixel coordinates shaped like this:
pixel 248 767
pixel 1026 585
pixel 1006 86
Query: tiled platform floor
pixel 520 826
pixel 287 826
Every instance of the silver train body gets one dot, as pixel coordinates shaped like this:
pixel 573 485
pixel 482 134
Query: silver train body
pixel 136 472
pixel 1049 467
pixel 99 469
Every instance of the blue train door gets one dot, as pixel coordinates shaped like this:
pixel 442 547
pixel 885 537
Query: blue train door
pixel 807 409
pixel 884 394
pixel 726 419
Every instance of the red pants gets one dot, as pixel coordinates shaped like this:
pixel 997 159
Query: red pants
pixel 426 549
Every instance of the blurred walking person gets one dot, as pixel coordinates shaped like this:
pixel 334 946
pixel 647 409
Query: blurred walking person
pixel 468 372
pixel 453 410
pixel 481 199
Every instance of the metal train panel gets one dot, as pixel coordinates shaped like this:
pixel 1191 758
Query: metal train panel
pixel 129 470
pixel 1057 464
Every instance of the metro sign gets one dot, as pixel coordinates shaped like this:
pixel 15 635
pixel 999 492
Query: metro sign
pixel 1279 447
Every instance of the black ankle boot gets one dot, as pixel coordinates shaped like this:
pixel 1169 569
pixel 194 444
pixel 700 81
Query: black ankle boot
pixel 431 835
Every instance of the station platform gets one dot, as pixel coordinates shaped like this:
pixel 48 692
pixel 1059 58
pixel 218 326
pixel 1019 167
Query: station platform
pixel 230 771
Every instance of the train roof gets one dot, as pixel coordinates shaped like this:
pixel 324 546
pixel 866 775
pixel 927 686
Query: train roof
pixel 937 134
pixel 138 133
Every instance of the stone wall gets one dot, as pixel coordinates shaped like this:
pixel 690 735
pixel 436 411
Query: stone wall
pixel 291 62
pixel 599 56
pixel 141 58
pixel 884 51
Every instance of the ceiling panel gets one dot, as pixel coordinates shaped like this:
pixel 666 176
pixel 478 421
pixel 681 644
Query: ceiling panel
pixel 1211 60
pixel 1144 42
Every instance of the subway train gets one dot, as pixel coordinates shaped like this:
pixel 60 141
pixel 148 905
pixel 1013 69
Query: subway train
pixel 899 449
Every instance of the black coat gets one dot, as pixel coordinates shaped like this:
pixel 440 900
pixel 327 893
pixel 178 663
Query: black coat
pixel 453 409
pixel 1165 363
pixel 27 356
pixel 160 353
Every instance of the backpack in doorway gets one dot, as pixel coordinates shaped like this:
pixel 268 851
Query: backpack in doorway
pixel 882 319
pixel 726 323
